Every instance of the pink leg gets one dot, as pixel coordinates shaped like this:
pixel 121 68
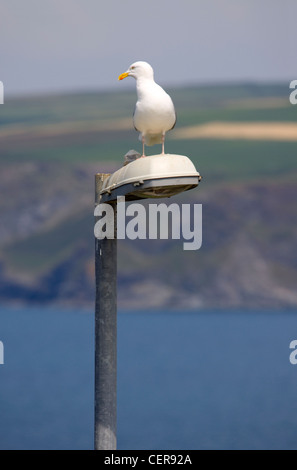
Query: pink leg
pixel 143 154
pixel 163 140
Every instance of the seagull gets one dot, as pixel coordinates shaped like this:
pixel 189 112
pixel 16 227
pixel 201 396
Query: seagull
pixel 154 113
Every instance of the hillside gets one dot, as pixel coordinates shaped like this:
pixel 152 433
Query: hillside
pixel 52 146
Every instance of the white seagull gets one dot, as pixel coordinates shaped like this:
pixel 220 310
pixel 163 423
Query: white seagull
pixel 154 113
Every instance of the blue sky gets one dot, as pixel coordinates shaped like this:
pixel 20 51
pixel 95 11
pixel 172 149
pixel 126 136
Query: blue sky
pixel 65 45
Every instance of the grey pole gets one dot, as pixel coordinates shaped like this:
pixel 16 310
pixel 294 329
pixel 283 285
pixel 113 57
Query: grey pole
pixel 105 335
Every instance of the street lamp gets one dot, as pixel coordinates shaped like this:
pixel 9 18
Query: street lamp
pixel 156 176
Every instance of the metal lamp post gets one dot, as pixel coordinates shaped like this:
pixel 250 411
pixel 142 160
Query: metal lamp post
pixel 157 176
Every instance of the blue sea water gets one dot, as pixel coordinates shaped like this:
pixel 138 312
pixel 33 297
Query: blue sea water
pixel 196 380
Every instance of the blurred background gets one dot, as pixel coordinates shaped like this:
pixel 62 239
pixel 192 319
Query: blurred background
pixel 228 66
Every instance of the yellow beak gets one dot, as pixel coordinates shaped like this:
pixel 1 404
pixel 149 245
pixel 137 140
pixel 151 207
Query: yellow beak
pixel 123 75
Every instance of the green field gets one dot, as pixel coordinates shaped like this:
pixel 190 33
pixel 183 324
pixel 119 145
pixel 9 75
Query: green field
pixel 67 138
pixel 30 118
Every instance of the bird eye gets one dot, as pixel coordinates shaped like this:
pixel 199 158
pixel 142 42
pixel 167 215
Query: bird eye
pixel 132 68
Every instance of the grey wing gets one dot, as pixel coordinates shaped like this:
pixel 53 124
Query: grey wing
pixel 174 121
pixel 134 120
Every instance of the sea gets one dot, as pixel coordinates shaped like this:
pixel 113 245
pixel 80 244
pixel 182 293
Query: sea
pixel 187 380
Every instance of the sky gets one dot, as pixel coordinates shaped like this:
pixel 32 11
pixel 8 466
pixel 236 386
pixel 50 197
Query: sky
pixel 70 45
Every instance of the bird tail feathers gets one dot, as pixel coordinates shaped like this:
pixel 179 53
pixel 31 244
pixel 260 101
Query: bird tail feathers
pixel 151 139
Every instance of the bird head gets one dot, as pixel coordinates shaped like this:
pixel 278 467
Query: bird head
pixel 138 70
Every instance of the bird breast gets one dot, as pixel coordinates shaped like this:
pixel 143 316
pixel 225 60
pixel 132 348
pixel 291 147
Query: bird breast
pixel 154 111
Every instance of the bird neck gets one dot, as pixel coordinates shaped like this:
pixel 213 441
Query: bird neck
pixel 142 83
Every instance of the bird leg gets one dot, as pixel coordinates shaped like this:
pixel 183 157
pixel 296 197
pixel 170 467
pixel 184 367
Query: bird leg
pixel 163 140
pixel 143 154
